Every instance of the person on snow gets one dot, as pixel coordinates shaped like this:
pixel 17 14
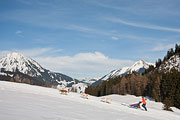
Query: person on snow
pixel 144 103
pixel 137 105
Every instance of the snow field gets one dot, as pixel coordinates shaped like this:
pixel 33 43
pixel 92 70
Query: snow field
pixel 26 102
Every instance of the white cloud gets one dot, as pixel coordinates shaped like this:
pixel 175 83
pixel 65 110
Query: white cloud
pixel 153 27
pixel 114 38
pixel 83 64
pixel 18 32
pixel 161 47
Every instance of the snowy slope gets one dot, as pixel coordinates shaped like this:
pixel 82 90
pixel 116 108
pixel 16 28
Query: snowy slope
pixel 26 102
pixel 16 62
pixel 173 62
pixel 139 66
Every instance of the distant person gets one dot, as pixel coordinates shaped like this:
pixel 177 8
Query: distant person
pixel 80 91
pixel 144 103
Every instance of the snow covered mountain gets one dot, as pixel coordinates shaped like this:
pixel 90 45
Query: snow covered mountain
pixel 139 66
pixel 173 62
pixel 16 62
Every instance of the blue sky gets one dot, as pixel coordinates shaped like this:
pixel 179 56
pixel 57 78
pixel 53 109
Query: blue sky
pixel 89 38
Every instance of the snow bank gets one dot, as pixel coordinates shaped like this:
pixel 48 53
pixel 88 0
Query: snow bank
pixel 26 102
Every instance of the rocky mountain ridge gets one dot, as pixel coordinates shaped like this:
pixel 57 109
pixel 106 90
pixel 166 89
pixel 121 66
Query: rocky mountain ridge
pixel 16 62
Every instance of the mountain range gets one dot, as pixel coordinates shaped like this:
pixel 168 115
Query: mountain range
pixel 18 63
pixel 139 67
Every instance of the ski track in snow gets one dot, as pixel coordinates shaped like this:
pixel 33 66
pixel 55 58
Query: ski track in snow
pixel 26 102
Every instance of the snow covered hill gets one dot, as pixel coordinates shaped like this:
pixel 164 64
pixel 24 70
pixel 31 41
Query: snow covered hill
pixel 173 62
pixel 27 102
pixel 139 66
pixel 16 62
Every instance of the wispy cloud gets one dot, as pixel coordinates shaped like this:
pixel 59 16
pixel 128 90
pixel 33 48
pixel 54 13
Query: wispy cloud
pixel 87 29
pixel 32 52
pixel 142 8
pixel 41 19
pixel 19 33
pixel 81 28
pixel 163 47
pixel 153 27
pixel 116 35
pixel 106 5
pixel 110 33
pixel 114 38
pixel 39 51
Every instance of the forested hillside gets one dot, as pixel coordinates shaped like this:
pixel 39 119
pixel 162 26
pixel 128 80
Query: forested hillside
pixel 161 82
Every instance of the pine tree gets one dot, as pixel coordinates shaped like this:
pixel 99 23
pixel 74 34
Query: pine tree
pixel 158 63
pixel 170 53
pixel 177 49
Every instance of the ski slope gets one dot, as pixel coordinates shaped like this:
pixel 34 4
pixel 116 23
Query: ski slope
pixel 26 102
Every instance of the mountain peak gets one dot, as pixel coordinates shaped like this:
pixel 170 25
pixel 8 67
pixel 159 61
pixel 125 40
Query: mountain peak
pixel 14 54
pixel 140 62
pixel 139 66
pixel 18 62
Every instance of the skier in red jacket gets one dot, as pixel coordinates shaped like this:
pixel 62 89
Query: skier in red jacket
pixel 144 103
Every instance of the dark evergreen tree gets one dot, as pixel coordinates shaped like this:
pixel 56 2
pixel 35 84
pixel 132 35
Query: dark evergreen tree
pixel 158 63
pixel 170 53
pixel 177 49
pixel 151 68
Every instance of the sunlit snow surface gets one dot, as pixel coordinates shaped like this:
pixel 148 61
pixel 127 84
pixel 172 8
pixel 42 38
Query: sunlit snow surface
pixel 26 102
